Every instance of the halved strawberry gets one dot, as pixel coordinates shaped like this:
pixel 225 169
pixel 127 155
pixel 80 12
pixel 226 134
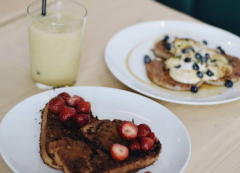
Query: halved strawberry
pixel 134 145
pixel 74 100
pixel 143 130
pixel 84 107
pixel 64 95
pixel 153 137
pixel 146 143
pixel 55 104
pixel 119 152
pixel 128 130
pixel 81 119
pixel 66 113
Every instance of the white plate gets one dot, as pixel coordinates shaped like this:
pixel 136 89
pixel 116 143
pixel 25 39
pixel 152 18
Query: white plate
pixel 20 128
pixel 125 51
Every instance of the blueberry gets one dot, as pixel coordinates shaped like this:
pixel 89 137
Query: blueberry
pixel 185 50
pixel 187 59
pixel 194 89
pixel 198 56
pixel 195 67
pixel 221 50
pixel 209 73
pixel 199 74
pixel 169 46
pixel 192 49
pixel 166 37
pixel 229 83
pixel 147 59
pixel 207 55
pixel 178 66
pixel 205 42
pixel 204 59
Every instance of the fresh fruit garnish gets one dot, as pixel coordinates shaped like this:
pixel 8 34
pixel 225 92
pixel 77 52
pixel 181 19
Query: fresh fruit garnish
pixel 143 130
pixel 128 130
pixel 84 107
pixel 55 104
pixel 153 137
pixel 66 113
pixel 74 100
pixel 134 145
pixel 146 144
pixel 64 95
pixel 81 119
pixel 119 152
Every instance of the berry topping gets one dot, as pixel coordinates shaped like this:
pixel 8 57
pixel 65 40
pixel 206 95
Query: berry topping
pixel 74 100
pixel 64 95
pixel 147 59
pixel 178 66
pixel 185 50
pixel 143 130
pixel 81 119
pixel 119 152
pixel 194 89
pixel 221 50
pixel 187 59
pixel 134 145
pixel 205 42
pixel 195 67
pixel 209 73
pixel 192 49
pixel 229 83
pixel 153 137
pixel 207 55
pixel 84 107
pixel 66 113
pixel 128 130
pixel 166 38
pixel 169 46
pixel 204 59
pixel 55 104
pixel 199 74
pixel 198 56
pixel 146 144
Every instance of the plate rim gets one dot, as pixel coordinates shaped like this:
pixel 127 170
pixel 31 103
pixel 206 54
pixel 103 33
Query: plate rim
pixel 107 88
pixel 116 74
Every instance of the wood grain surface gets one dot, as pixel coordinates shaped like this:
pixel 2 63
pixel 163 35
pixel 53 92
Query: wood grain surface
pixel 214 130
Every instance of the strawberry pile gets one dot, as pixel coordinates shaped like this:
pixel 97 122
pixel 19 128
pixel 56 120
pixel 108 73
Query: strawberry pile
pixel 67 107
pixel 141 139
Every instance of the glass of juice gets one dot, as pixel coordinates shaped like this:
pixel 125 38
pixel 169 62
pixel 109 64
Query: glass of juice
pixel 55 42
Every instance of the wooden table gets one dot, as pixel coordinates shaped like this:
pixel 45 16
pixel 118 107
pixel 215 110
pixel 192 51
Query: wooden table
pixel 214 130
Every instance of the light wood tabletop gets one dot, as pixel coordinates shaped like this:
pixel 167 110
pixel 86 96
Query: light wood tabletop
pixel 214 130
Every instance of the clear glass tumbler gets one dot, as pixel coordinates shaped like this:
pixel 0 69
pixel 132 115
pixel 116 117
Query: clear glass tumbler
pixel 55 42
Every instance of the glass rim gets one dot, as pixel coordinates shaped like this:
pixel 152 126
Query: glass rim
pixel 85 14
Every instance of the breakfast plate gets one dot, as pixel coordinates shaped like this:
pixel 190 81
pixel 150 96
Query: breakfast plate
pixel 124 56
pixel 20 128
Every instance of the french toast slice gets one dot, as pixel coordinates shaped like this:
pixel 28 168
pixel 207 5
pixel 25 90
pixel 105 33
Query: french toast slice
pixel 53 130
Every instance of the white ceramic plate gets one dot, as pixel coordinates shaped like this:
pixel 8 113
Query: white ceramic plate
pixel 20 128
pixel 125 51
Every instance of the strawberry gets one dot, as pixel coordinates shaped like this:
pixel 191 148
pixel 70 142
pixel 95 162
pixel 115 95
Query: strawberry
pixel 84 107
pixel 119 152
pixel 146 144
pixel 66 113
pixel 81 119
pixel 64 95
pixel 74 100
pixel 128 130
pixel 143 130
pixel 153 137
pixel 55 104
pixel 134 145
